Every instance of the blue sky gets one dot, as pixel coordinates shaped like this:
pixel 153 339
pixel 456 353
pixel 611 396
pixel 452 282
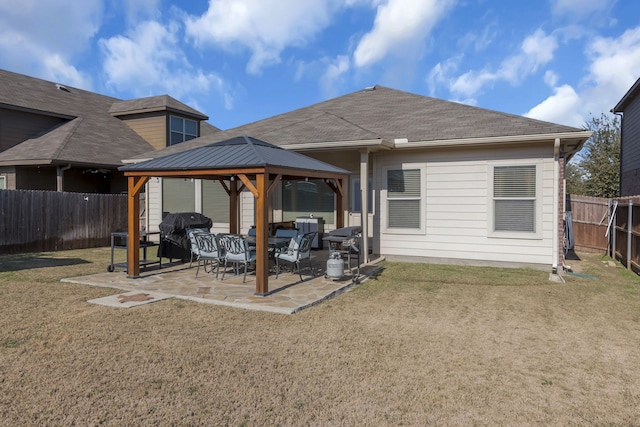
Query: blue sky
pixel 239 61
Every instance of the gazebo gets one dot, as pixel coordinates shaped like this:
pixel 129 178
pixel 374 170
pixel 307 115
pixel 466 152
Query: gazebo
pixel 238 163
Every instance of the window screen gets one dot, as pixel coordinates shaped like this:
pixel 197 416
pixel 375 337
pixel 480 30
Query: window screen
pixel 404 198
pixel 215 201
pixel 178 195
pixel 514 194
pixel 301 198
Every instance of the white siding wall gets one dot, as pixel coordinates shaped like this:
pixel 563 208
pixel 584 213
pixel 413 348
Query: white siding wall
pixel 247 204
pixel 457 207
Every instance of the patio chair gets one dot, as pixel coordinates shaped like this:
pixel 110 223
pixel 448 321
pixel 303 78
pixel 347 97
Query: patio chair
pixel 191 232
pixel 237 251
pixel 208 252
pixel 298 250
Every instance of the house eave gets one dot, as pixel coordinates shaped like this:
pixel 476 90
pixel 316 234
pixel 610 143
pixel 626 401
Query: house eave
pixel 158 109
pixel 580 136
pixel 371 144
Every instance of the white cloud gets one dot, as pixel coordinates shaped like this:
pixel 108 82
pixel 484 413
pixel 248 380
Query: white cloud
pixel 41 37
pixel 578 9
pixel 614 68
pixel 439 75
pixel 139 10
pixel 399 25
pixel 551 78
pixel 470 83
pixel 562 107
pixel 333 75
pixel 264 27
pixel 150 60
pixel 536 51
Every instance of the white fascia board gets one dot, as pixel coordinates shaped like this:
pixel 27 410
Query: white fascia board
pixel 581 135
pixel 134 161
pixel 379 144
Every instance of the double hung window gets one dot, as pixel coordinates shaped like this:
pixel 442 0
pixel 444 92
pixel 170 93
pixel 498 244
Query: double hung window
pixel 515 199
pixel 404 199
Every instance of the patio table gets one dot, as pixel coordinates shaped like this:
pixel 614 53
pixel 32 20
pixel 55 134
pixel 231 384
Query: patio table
pixel 275 243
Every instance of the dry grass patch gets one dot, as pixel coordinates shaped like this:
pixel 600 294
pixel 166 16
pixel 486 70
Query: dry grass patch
pixel 421 344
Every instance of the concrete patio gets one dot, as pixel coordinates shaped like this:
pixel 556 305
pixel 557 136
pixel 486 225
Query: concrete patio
pixel 287 294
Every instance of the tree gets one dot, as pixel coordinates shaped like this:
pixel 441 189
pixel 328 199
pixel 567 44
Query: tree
pixel 596 171
pixel 575 178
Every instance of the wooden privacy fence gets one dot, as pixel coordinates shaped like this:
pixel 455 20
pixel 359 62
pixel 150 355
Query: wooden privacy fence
pixel 610 226
pixel 38 221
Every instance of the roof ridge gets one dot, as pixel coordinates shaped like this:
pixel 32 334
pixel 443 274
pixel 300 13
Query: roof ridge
pixel 253 148
pixel 353 124
pixel 65 141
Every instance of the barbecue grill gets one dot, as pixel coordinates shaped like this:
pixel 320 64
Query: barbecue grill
pixel 174 242
pixel 343 242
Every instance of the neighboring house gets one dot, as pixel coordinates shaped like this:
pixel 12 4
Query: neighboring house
pixel 629 109
pixel 434 180
pixel 56 137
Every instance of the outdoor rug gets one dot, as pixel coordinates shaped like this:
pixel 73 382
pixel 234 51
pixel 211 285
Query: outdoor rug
pixel 130 299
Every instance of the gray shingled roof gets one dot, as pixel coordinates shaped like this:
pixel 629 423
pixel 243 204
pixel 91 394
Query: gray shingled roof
pixel 91 137
pixel 239 152
pixel 385 114
pixel 153 103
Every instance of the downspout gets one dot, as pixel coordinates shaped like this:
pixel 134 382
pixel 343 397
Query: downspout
pixel 556 203
pixel 621 115
pixel 364 203
pixel 60 177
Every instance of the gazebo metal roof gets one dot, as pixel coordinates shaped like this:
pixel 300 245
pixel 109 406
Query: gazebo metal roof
pixel 239 152
pixel 258 167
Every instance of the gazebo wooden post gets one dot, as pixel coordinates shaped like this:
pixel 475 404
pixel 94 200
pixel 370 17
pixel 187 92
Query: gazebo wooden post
pixel 234 202
pixel 261 218
pixel 134 186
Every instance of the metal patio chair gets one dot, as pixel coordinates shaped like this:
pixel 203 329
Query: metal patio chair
pixel 237 251
pixel 191 234
pixel 298 250
pixel 209 252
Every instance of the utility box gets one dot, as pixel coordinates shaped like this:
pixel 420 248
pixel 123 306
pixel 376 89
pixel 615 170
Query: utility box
pixel 308 224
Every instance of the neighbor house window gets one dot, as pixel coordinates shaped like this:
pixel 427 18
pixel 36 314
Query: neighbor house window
pixel 182 129
pixel 404 198
pixel 514 198
pixel 3 183
pixel 356 196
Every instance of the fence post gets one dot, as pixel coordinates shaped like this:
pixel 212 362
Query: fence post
pixel 614 232
pixel 630 218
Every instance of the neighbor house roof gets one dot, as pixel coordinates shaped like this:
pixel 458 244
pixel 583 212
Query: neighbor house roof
pixel 382 117
pixel 91 136
pixel 631 94
pixel 153 103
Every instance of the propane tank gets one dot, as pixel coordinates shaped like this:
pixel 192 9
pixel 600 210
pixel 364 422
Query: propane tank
pixel 335 265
